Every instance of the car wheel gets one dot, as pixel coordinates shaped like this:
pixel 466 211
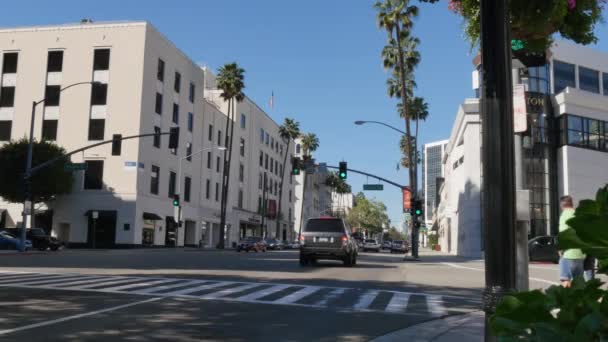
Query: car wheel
pixel 54 248
pixel 348 261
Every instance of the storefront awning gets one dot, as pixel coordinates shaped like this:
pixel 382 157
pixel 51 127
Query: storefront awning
pixel 152 217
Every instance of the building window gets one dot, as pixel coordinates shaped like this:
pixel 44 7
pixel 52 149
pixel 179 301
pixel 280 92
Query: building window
pixel 217 164
pixel 49 129
pixel 208 189
pixel 5 130
pixel 266 161
pixel 298 148
pixel 241 173
pixel 259 204
pixel 272 143
pixel 289 196
pixel 154 179
pixel 276 188
pixel 276 167
pixel 177 85
pixel 281 149
pixel 190 122
pixel 219 138
pixel 267 138
pixel 271 165
pixel 160 70
pixel 210 133
pixel 52 95
pixel 584 132
pixel 240 203
pixel 187 184
pixel 563 76
pixel 172 179
pixel 7 96
pixel 158 107
pixel 260 181
pixel 289 217
pixel 189 151
pixel 605 81
pixel 96 129
pixel 261 159
pixel 261 135
pixel 208 160
pixel 54 62
pixel 243 121
pixel 589 79
pixel 281 169
pixel 175 117
pixel 9 63
pixel 157 137
pixel 101 60
pixel 217 191
pixel 191 92
pixel 99 94
pixel 93 175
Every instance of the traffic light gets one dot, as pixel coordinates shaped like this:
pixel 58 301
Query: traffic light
pixel 342 173
pixel 418 210
pixel 116 144
pixel 296 166
pixel 176 200
pixel 174 137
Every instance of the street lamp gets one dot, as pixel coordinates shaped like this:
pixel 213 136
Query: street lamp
pixel 361 122
pixel 28 164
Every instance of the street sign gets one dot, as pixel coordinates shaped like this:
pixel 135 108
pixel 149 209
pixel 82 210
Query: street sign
pixel 375 187
pixel 75 166
pixel 520 117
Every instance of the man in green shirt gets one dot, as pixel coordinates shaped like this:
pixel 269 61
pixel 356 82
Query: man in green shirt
pixel 571 260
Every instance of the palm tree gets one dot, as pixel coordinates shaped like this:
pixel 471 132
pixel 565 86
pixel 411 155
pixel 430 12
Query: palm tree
pixel 310 143
pixel 289 130
pixel 418 109
pixel 230 79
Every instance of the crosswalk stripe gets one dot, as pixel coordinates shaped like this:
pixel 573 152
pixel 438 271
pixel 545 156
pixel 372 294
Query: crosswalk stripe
pixel 130 286
pixel 366 300
pixel 21 276
pixel 229 291
pixel 106 283
pixel 39 277
pixel 335 293
pixel 398 302
pixel 296 296
pixel 198 288
pixel 95 279
pixel 168 287
pixel 46 281
pixel 262 293
pixel 435 306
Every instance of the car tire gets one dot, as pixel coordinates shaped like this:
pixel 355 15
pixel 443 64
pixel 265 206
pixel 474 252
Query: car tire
pixel 348 261
pixel 54 248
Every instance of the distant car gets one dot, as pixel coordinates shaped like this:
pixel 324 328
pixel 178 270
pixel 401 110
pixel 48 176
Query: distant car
pixel 9 241
pixel 252 243
pixel 39 238
pixel 387 244
pixel 327 238
pixel 543 248
pixel 371 245
pixel 295 245
pixel 274 244
pixel 399 247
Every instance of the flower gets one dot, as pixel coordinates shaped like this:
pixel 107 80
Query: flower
pixel 571 4
pixel 455 6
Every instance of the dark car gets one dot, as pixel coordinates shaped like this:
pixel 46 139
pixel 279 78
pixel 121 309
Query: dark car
pixel 387 244
pixel 39 238
pixel 10 241
pixel 252 243
pixel 327 238
pixel 399 247
pixel 543 248
pixel 274 244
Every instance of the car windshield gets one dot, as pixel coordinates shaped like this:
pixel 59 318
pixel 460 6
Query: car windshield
pixel 324 226
pixel 370 241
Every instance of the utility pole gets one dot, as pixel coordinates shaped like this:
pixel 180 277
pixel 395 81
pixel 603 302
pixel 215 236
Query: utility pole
pixel 497 156
pixel 264 199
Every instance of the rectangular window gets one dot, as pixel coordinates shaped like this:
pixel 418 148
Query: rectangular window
pixel 240 199
pixel 266 138
pixel 217 164
pixel 177 84
pixel 266 161
pixel 243 121
pixel 276 167
pixel 210 133
pixel 208 160
pixel 219 138
pixel 191 92
pixel 154 179
pixel 271 165
pixel 9 63
pixel 241 173
pixel 605 82
pixel 589 79
pixel 281 168
pixel 242 147
pixel 260 181
pixel 5 130
pixel 259 204
pixel 172 179
pixel 563 76
pixel 99 94
pixel 49 129
pixel 187 184
pixel 190 122
pixel 160 70
pixel 157 137
pixel 96 129
pixel 272 143
pixel 189 151
pixel 289 196
pixel 158 107
pixel 175 117
pixel 101 59
pixel 217 191
pixel 54 62
pixel 7 96
pixel 261 159
pixel 261 135
pixel 93 175
pixel 208 189
pixel 51 95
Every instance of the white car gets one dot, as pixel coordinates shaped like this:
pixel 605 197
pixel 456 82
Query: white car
pixel 371 245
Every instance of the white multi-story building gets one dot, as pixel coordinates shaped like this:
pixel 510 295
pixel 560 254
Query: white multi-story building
pixel 144 84
pixel 342 203
pixel 432 155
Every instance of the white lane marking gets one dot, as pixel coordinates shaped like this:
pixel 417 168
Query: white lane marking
pixel 480 270
pixel 226 292
pixel 84 281
pixel 34 279
pixel 198 288
pixel 435 306
pixel 262 293
pixel 69 318
pixel 330 296
pixel 20 277
pixel 49 281
pixel 168 287
pixel 107 283
pixel 366 300
pixel 130 286
pixel 398 303
pixel 8 275
pixel 296 296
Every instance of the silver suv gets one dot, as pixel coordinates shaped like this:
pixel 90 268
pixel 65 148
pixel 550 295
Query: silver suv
pixel 327 238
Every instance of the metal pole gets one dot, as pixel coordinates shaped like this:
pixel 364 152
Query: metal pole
pixel 521 233
pixel 263 204
pixel 26 181
pixel 94 232
pixel 497 156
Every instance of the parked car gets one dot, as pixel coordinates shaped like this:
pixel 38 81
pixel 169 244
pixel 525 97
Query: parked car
pixel 9 241
pixel 399 247
pixel 252 243
pixel 371 245
pixel 274 244
pixel 39 238
pixel 387 244
pixel 543 248
pixel 295 245
pixel 327 238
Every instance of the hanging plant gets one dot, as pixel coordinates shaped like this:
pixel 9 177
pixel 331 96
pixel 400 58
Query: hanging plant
pixel 535 21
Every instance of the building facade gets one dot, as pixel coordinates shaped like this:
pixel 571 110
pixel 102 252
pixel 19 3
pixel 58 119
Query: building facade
pixel 143 84
pixel 432 155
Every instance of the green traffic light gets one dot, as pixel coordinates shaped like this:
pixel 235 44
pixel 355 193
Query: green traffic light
pixel 175 203
pixel 342 175
pixel 418 212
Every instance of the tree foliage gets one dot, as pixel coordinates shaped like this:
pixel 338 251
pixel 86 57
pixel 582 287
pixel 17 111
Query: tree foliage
pixel 368 214
pixel 45 184
pixel 310 143
pixel 337 184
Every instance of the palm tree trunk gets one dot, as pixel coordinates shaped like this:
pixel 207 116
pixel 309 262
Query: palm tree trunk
pixel 278 229
pixel 225 180
pixel 229 143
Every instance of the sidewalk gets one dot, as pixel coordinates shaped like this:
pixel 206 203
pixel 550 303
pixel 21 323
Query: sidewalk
pixel 461 328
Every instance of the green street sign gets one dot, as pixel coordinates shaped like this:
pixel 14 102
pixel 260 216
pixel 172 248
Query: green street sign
pixel 375 187
pixel 517 44
pixel 75 167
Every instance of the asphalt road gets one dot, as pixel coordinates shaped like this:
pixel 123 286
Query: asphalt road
pixel 194 295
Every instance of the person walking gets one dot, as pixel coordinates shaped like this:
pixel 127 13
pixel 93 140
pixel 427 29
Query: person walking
pixel 571 260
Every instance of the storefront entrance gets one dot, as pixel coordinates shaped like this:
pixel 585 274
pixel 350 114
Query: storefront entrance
pixel 101 230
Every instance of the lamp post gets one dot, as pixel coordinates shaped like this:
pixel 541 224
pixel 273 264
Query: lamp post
pixel 94 217
pixel 28 164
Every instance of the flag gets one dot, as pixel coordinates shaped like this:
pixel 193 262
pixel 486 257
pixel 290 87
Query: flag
pixel 272 100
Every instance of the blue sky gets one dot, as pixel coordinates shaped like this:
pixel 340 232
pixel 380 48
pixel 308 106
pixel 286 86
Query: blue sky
pixel 321 58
